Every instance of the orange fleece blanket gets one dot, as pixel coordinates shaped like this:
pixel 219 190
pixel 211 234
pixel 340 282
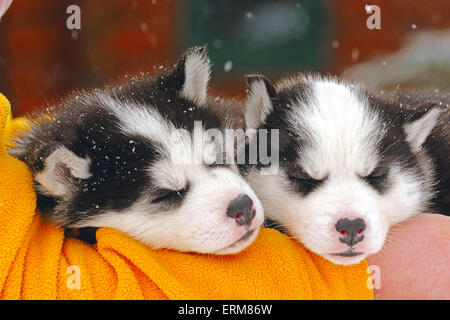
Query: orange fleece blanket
pixel 37 262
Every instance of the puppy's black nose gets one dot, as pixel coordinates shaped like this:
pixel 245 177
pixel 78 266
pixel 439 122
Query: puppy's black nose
pixel 241 209
pixel 352 230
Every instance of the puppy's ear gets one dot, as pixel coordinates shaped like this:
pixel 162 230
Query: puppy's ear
pixel 420 124
pixel 60 168
pixel 260 94
pixel 191 75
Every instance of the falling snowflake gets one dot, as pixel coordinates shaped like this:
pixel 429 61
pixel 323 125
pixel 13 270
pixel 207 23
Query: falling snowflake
pixel 228 66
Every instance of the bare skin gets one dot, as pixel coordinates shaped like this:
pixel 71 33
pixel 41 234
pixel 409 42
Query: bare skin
pixel 415 261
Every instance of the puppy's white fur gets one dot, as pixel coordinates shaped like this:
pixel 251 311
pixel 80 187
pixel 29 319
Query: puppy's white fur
pixel 141 159
pixel 197 73
pixel 53 178
pixel 342 134
pixel 200 224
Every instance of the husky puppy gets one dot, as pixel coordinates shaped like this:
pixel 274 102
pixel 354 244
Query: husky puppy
pixel 352 162
pixel 120 157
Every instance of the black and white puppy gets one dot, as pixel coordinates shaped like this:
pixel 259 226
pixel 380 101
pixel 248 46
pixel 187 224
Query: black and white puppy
pixel 123 157
pixel 352 162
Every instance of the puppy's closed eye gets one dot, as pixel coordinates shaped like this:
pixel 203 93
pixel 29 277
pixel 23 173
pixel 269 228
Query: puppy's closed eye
pixel 167 195
pixel 377 177
pixel 303 181
pixel 377 174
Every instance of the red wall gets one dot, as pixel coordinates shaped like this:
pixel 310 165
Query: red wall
pixel 40 59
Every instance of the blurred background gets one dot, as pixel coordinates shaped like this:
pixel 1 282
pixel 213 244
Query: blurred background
pixel 41 59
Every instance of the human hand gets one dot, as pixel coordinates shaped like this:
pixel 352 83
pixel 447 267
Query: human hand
pixel 415 261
